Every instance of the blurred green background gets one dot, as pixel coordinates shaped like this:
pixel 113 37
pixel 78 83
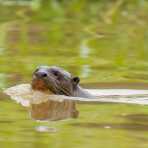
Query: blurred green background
pixel 105 42
pixel 99 40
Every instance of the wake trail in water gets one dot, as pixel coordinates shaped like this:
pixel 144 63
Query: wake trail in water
pixel 24 95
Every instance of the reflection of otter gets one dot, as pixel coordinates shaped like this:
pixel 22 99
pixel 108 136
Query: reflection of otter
pixel 58 81
pixel 55 80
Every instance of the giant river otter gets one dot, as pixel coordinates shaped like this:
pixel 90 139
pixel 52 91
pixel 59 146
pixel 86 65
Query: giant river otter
pixel 58 81
pixel 55 80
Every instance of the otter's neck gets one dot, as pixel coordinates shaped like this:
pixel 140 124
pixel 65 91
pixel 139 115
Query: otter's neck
pixel 80 92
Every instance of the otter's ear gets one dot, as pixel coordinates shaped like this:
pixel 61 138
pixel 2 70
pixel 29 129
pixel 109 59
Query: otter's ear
pixel 76 80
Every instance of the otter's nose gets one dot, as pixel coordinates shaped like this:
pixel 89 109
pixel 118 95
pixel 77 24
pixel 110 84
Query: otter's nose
pixel 41 74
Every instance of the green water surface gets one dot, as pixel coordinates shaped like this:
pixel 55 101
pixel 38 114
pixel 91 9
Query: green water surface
pixel 104 42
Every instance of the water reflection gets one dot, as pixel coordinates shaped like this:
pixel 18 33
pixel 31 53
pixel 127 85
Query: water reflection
pixel 34 4
pixel 45 129
pixel 119 126
pixel 85 71
pixel 3 79
pixel 84 49
pixel 13 34
pixel 1 50
pixel 142 118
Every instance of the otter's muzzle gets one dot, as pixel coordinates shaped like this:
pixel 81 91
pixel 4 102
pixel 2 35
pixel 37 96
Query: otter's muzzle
pixel 41 74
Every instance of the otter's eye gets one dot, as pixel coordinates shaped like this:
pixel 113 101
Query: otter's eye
pixel 55 73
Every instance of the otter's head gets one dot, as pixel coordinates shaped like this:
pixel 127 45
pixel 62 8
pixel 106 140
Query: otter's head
pixel 54 79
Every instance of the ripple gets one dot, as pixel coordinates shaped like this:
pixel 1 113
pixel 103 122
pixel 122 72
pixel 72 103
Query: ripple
pixel 45 129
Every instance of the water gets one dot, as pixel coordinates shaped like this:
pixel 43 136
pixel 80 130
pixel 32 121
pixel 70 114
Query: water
pixel 103 42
